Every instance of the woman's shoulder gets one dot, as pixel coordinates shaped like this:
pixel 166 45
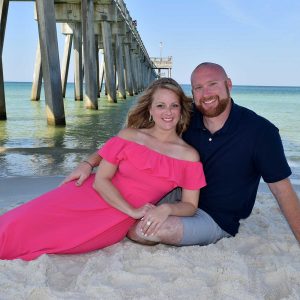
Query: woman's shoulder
pixel 128 134
pixel 189 153
pixel 178 149
pixel 133 134
pixel 183 151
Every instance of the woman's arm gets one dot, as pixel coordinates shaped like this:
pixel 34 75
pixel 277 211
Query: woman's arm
pixel 104 187
pixel 84 169
pixel 155 217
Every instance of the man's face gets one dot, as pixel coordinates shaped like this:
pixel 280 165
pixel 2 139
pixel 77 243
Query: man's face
pixel 211 91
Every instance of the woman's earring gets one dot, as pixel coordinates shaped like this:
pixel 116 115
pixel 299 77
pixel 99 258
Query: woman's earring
pixel 150 118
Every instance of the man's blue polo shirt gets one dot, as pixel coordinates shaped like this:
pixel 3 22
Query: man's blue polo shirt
pixel 234 158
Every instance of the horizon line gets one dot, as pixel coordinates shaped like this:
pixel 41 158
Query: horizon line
pixel 253 85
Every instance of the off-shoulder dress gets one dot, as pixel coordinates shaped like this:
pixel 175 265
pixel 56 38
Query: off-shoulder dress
pixel 71 219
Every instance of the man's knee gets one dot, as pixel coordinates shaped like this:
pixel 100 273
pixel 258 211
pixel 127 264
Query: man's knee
pixel 171 233
pixel 135 234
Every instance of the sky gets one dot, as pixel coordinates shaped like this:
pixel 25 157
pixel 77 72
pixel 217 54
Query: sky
pixel 257 42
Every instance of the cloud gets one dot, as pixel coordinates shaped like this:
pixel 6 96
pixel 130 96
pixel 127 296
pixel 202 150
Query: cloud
pixel 242 15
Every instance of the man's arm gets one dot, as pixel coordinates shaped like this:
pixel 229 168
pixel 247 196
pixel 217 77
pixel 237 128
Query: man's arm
pixel 84 169
pixel 288 202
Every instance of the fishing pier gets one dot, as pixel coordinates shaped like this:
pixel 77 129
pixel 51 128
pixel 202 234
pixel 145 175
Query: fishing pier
pixel 92 29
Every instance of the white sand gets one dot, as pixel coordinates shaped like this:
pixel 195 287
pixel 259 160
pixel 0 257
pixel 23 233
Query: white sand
pixel 261 262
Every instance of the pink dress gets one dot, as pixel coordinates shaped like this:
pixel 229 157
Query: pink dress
pixel 71 219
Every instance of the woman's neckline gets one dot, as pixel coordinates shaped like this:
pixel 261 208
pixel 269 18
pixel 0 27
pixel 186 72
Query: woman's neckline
pixel 153 150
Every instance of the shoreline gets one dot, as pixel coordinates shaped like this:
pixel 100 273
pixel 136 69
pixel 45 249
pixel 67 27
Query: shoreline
pixel 19 189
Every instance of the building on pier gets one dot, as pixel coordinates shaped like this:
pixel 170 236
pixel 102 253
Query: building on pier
pixel 163 63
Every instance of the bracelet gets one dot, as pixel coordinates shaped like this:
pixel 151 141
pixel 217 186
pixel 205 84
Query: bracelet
pixel 86 161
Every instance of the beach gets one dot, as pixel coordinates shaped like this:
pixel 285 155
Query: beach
pixel 257 42
pixel 261 262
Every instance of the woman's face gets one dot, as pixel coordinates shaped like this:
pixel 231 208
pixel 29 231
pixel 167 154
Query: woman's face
pixel 165 109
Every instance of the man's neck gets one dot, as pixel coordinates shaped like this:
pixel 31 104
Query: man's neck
pixel 216 123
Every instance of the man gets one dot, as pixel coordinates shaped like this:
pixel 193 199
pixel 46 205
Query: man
pixel 237 148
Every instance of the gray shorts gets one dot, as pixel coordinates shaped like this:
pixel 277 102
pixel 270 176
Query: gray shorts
pixel 199 229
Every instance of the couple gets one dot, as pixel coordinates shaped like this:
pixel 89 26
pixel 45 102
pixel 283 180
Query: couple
pixel 147 160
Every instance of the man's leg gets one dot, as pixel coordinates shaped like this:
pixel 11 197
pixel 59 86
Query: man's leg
pixel 199 229
pixel 171 233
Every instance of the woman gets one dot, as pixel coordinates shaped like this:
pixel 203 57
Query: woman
pixel 139 166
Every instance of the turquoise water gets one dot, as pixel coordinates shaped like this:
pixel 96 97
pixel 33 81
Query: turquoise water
pixel 29 147
pixel 281 105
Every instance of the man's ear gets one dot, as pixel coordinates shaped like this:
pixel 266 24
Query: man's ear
pixel 229 83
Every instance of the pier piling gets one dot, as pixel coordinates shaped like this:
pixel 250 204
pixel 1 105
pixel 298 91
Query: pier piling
pixel 93 27
pixel 37 75
pixel 4 4
pixel 50 62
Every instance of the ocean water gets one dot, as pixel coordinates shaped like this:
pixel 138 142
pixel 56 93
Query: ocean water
pixel 29 147
pixel 280 105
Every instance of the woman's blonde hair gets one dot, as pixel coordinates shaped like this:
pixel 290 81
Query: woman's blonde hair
pixel 139 115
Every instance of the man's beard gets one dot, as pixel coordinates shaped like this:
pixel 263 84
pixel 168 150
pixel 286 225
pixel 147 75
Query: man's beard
pixel 216 111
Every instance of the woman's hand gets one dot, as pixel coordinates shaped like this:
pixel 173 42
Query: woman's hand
pixel 139 213
pixel 80 174
pixel 154 218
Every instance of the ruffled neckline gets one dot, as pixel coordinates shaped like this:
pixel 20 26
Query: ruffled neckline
pixel 154 151
pixel 146 159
